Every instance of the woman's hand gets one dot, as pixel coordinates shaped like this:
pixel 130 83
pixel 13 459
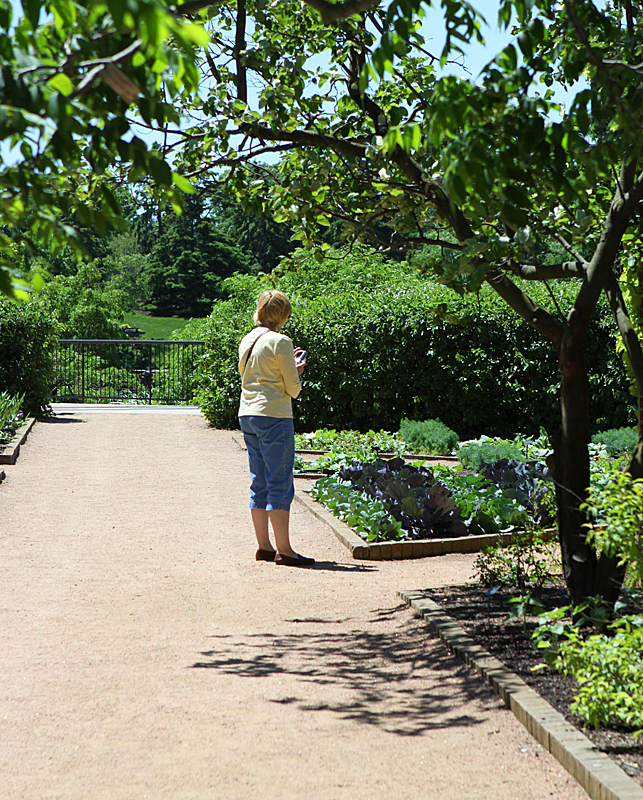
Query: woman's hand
pixel 300 364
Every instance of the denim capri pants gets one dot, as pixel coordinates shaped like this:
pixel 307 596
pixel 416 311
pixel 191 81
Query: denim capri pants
pixel 271 456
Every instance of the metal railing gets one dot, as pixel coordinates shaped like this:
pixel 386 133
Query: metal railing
pixel 125 370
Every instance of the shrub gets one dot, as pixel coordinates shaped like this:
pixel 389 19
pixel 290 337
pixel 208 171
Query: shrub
pixel 618 441
pixel 476 453
pixel 27 340
pixel 381 349
pixel 609 671
pixel 616 508
pixel 607 666
pixel 527 563
pixel 10 415
pixel 430 436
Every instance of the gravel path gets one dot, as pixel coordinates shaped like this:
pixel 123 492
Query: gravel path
pixel 145 654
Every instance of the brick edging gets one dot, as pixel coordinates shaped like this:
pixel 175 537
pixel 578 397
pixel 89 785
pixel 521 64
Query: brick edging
pixel 599 776
pixel 346 535
pixel 12 449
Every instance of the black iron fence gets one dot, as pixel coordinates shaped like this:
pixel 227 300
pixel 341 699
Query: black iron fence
pixel 125 370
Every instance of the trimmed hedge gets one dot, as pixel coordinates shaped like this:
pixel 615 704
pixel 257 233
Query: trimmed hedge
pixel 27 339
pixel 378 352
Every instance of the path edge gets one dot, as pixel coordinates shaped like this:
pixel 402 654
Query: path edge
pixel 595 771
pixel 11 450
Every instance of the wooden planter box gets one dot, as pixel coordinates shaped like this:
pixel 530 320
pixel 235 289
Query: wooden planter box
pixel 386 551
pixel 9 452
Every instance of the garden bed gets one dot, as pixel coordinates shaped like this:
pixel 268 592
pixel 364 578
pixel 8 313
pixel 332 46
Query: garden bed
pixel 484 619
pixel 428 461
pixel 10 450
pixel 387 551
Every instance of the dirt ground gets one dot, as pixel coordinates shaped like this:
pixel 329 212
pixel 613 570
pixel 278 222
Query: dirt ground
pixel 145 653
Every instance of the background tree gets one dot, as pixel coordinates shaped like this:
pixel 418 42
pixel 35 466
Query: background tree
pixel 173 264
pixel 188 263
pixel 82 307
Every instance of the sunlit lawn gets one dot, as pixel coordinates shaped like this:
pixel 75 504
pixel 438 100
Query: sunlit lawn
pixel 155 327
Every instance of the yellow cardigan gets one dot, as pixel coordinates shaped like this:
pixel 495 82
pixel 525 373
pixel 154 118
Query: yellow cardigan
pixel 270 378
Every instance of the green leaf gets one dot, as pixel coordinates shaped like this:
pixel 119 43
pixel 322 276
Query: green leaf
pixel 61 83
pixel 182 183
pixel 526 44
pixel 32 11
pixel 160 171
pixel 516 217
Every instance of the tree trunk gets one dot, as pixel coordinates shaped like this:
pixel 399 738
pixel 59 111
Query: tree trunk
pixel 635 467
pixel 585 574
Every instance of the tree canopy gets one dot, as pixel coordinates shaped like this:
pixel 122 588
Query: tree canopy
pixel 73 78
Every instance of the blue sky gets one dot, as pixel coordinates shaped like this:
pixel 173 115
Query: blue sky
pixel 477 56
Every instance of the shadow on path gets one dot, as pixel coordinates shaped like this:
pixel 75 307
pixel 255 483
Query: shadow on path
pixel 333 566
pixel 403 682
pixel 57 419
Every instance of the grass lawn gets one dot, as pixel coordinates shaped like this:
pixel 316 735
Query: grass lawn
pixel 155 327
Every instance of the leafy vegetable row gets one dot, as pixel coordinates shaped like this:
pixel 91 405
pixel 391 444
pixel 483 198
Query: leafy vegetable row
pixel 390 500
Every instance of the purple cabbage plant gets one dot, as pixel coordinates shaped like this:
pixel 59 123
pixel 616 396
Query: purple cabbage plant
pixel 411 495
pixel 527 482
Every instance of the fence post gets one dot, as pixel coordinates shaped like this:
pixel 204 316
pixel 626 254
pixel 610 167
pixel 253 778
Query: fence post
pixel 149 367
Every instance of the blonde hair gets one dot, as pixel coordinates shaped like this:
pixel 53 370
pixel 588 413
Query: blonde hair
pixel 273 309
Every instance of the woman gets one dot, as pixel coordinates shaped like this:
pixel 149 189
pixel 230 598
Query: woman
pixel 269 381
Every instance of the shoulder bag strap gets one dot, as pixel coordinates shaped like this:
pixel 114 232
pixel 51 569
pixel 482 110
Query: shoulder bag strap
pixel 252 347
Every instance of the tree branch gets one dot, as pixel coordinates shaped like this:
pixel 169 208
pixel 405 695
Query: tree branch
pixel 228 162
pixel 625 327
pixel 106 69
pixel 307 138
pixel 629 16
pixel 566 269
pixel 600 266
pixel 522 304
pixel 213 67
pixel 331 12
pixel 192 7
pixel 239 52
pixel 637 69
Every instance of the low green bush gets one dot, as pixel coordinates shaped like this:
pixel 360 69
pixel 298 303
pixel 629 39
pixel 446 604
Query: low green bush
pixel 382 346
pixel 10 415
pixel 28 337
pixel 527 563
pixel 430 436
pixel 615 507
pixel 617 441
pixel 608 666
pixel 475 453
